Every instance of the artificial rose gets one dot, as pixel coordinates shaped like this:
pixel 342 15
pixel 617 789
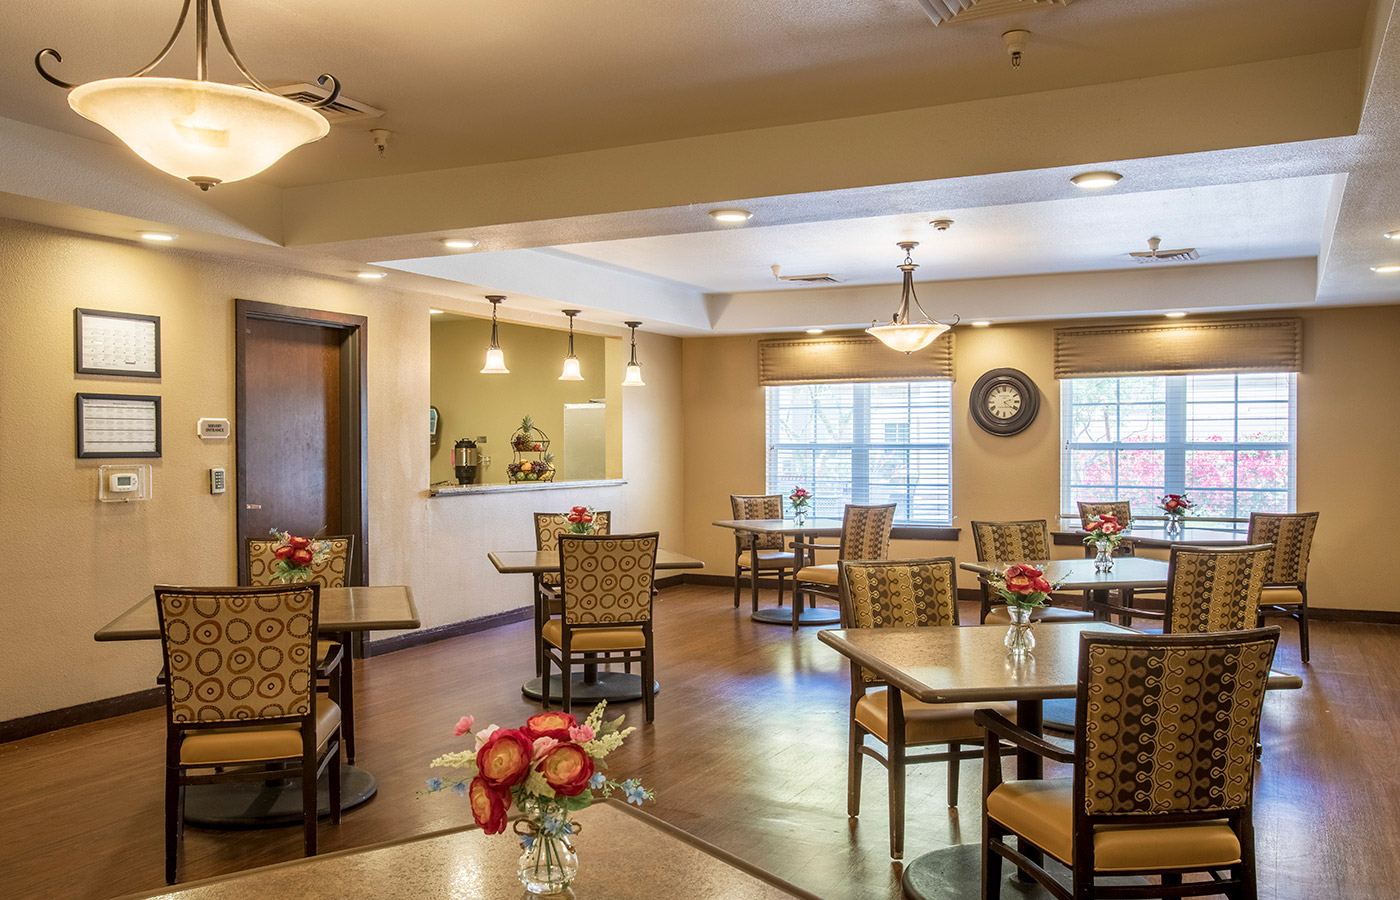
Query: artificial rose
pixel 1041 585
pixel 464 725
pixel 302 557
pixel 504 760
pixel 282 552
pixel 567 769
pixel 541 748
pixel 582 734
pixel 1107 524
pixel 580 510
pixel 1022 579
pixel 484 735
pixel 549 724
pixel 489 805
pixel 298 543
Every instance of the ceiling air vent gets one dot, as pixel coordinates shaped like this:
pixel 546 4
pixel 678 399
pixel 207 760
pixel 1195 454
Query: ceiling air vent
pixel 940 11
pixel 342 110
pixel 820 278
pixel 1152 255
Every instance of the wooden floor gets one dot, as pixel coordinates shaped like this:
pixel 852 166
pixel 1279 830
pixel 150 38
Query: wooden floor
pixel 747 751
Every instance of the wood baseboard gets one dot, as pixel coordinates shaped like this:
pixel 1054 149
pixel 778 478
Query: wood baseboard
pixel 1332 614
pixel 81 714
pixel 443 632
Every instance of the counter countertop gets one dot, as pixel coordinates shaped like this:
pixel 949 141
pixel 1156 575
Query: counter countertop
pixel 458 490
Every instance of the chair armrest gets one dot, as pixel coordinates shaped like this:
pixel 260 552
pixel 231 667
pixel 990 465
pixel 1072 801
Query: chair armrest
pixel 804 545
pixel 999 726
pixel 332 661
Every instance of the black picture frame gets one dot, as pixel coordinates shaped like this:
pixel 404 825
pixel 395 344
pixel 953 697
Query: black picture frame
pixel 81 422
pixel 1030 402
pixel 84 321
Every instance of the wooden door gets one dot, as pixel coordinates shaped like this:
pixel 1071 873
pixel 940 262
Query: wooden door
pixel 300 426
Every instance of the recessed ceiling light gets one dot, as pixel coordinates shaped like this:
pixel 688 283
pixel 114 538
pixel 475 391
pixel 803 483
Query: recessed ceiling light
pixel 373 274
pixel 459 243
pixel 158 236
pixel 1393 235
pixel 816 330
pixel 1386 270
pixel 1096 179
pixel 730 215
pixel 1175 315
pixel 434 312
pixel 981 323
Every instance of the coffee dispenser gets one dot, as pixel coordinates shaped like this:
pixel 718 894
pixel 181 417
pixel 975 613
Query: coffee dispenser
pixel 464 460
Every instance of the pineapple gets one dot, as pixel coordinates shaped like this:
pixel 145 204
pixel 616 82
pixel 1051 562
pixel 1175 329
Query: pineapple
pixel 527 425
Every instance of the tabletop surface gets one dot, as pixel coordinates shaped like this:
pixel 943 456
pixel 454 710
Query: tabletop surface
pixel 815 526
pixel 1079 574
pixel 1149 532
pixel 535 562
pixel 623 855
pixel 386 607
pixel 969 662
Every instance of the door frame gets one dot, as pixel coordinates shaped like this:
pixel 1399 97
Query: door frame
pixel 354 426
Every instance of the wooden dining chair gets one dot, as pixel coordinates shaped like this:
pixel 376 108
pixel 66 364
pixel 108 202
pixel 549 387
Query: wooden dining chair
pixel 334 666
pixel 1122 510
pixel 606 591
pixel 906 593
pixel 1286 582
pixel 1210 589
pixel 865 535
pixel 755 553
pixel 1027 540
pixel 240 699
pixel 548 527
pixel 1163 771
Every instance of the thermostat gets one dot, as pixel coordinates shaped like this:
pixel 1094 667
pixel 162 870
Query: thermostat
pixel 213 428
pixel 122 482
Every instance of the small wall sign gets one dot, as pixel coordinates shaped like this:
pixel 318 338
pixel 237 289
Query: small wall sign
pixel 214 429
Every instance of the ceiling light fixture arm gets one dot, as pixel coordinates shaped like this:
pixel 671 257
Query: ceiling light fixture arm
pixel 901 316
pixel 633 326
pixel 201 61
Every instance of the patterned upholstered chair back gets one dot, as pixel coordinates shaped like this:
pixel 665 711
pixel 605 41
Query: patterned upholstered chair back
pixel 239 654
pixel 865 531
pixel 1011 541
pixel 758 506
pixel 1215 589
pixel 607 579
pixel 329 572
pixel 1292 535
pixel 904 593
pixel 1122 510
pixel 1168 724
pixel 548 527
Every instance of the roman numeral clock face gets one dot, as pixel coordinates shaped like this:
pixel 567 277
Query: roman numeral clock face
pixel 1004 402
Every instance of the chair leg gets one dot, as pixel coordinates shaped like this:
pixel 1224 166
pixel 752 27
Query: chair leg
pixel 346 702
pixel 953 775
pixel 895 751
pixel 780 586
pixel 174 821
pixel 1171 879
pixel 991 861
pixel 853 768
pixel 649 683
pixel 737 572
pixel 566 671
pixel 334 775
pixel 308 799
pixel 545 682
pixel 1303 624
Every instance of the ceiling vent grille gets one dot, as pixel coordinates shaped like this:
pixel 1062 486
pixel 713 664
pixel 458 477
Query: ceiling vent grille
pixel 342 110
pixel 818 278
pixel 940 11
pixel 1154 255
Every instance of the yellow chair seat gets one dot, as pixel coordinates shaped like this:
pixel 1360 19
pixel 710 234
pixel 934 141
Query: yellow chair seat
pixel 999 616
pixel 924 723
pixel 1042 811
pixel 227 746
pixel 590 640
pixel 550 579
pixel 826 574
pixel 324 649
pixel 768 559
pixel 1280 596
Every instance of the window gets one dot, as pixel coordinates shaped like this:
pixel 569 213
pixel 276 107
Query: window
pixel 865 443
pixel 1227 440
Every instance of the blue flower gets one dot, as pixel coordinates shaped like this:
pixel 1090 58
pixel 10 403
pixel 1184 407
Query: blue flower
pixel 460 789
pixel 526 842
pixel 550 825
pixel 434 784
pixel 635 793
pixel 597 780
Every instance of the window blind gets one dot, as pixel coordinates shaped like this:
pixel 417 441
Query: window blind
pixel 1253 345
pixel 849 359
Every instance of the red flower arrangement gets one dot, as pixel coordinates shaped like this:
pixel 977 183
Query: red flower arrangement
pixel 1104 530
pixel 1023 586
pixel 580 519
pixel 1176 505
pixel 295 556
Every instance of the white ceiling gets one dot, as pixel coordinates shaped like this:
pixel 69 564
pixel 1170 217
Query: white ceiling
pixel 1227 223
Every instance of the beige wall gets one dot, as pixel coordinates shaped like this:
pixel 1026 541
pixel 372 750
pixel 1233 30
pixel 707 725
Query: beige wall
pixel 1348 423
pixel 474 404
pixel 72 564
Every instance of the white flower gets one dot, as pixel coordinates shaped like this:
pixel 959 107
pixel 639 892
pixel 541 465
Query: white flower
pixel 462 759
pixel 484 735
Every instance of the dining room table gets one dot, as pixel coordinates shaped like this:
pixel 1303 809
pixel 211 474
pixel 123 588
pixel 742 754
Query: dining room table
pixel 1154 533
pixel 970 664
pixel 809 527
pixel 344 612
pixel 624 854
pixel 592 684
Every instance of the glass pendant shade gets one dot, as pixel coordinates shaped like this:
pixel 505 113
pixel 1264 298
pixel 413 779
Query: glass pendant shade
pixel 634 376
pixel 204 131
pixel 571 371
pixel 910 337
pixel 495 362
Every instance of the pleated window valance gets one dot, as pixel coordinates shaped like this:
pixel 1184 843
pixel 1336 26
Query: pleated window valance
pixel 1243 345
pixel 849 358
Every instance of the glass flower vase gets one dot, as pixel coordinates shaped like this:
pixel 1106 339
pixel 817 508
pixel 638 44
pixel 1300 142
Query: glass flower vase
pixel 1175 524
pixel 1020 640
pixel 1104 561
pixel 799 515
pixel 548 864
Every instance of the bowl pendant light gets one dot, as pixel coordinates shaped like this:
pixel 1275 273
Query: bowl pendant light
pixel 634 368
pixel 495 359
pixel 901 334
pixel 571 371
pixel 204 131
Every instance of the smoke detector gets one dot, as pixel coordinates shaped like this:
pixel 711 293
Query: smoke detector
pixel 819 278
pixel 1153 254
pixel 941 224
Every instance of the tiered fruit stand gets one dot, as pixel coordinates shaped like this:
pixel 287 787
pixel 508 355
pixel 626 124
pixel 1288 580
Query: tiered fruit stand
pixel 533 461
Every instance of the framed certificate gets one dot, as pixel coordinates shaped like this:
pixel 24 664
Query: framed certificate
pixel 118 425
pixel 114 343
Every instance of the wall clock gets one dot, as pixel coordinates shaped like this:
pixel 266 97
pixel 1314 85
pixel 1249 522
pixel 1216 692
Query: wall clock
pixel 1004 402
